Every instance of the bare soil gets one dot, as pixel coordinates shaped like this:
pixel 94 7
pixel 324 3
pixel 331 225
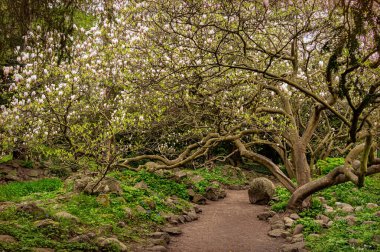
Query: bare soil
pixel 228 225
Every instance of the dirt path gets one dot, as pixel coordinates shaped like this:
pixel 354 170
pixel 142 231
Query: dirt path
pixel 228 225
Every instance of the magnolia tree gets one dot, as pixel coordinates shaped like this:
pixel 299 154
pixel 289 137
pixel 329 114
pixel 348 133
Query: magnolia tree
pixel 273 73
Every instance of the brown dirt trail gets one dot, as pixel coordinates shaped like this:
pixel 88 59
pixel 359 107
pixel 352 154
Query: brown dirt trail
pixel 228 225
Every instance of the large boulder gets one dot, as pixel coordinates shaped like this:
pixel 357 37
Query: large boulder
pixel 261 191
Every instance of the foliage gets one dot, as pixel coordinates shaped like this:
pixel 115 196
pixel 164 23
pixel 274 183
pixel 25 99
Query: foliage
pixel 283 196
pixel 328 164
pixel 14 191
pixel 6 158
pixel 310 226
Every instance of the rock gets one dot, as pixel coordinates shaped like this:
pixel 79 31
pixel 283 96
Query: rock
pixel 172 230
pixel 261 191
pixel 376 238
pixel 372 205
pixel 293 247
pixel 354 242
pixel 294 216
pixel 103 200
pixel 32 209
pixel 128 213
pixel 7 238
pixel 108 243
pixel 160 242
pixel 192 215
pixel 66 216
pixel 274 218
pixel 45 223
pixel 181 219
pixel 157 248
pixel 329 224
pixel 278 225
pixel 322 200
pixel 358 209
pixel 121 224
pixel 179 175
pixel 197 209
pixel 150 203
pixel 288 222
pixel 278 233
pixel 141 185
pixel 91 185
pixel 314 235
pixel 297 238
pixel 320 222
pixel 199 199
pixel 377 214
pixel 265 215
pixel 351 219
pixel 161 235
pixel 328 209
pixel 298 229
pixel 140 210
pixel 347 208
pixel 323 218
pixel 187 218
pixel 212 194
pixel 196 179
pixel 84 238
pixel 191 193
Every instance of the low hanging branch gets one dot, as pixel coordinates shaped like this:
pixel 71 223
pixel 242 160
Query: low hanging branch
pixel 201 148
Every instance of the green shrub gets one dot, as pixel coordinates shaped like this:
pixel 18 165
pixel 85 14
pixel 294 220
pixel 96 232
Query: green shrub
pixel 283 196
pixel 327 165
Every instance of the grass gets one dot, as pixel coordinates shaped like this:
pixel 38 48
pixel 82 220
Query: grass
pixel 44 188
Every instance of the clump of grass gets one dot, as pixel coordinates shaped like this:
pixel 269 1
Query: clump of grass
pixel 14 191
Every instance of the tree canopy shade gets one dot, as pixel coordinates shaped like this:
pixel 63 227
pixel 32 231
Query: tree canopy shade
pixel 169 81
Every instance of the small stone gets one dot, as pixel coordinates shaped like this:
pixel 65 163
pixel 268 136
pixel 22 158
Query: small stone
pixel 32 209
pixel 322 200
pixel 172 230
pixel 324 218
pixel 140 210
pixel 187 218
pixel 141 185
pixel 274 219
pixel 377 214
pixel 45 223
pixel 159 248
pixel 199 199
pixel 278 233
pixel 329 224
pixel 329 209
pixel 351 220
pixel 121 224
pixel 7 238
pixel 298 229
pixel 294 216
pixel 160 235
pixel 297 238
pixel 354 242
pixel 103 200
pixel 108 242
pixel 181 219
pixel 314 235
pixel 265 215
pixel 358 209
pixel 84 238
pixel 348 209
pixel 193 216
pixel 278 225
pixel 179 175
pixel 293 247
pixel 372 205
pixel 128 213
pixel 376 238
pixel 288 222
pixel 197 209
pixel 66 216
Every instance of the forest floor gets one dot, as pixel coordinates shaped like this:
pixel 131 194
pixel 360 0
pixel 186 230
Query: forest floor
pixel 230 224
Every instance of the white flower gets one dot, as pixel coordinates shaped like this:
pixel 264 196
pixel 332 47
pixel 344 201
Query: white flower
pixel 60 93
pixel 46 72
pixel 33 77
pixel 320 63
